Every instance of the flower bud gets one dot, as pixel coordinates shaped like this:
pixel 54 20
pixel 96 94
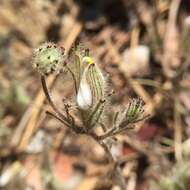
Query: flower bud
pixel 97 83
pixel 134 112
pixel 92 86
pixel 84 95
pixel 48 58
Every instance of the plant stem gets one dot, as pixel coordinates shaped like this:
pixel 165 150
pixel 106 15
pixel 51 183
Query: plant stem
pixel 56 117
pixel 48 96
pixel 116 175
pixel 74 79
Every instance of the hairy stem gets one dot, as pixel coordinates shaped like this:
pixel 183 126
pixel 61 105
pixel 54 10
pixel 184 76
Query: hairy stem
pixel 74 79
pixel 116 174
pixel 59 119
pixel 48 96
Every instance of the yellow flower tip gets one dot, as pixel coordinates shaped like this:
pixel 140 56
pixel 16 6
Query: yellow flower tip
pixel 87 60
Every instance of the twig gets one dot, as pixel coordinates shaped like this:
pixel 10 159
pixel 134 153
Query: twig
pixel 177 132
pixel 171 45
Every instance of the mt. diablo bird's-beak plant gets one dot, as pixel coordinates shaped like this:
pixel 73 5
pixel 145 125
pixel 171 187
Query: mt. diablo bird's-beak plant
pixel 91 98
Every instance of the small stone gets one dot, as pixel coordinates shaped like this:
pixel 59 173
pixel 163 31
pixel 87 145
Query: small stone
pixel 136 61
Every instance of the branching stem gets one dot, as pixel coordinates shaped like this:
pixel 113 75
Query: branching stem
pixel 48 96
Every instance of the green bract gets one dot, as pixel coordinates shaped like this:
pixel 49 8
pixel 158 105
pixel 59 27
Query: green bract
pixel 48 58
pixel 133 113
pixel 77 64
pixel 134 110
pixel 92 86
pixel 97 82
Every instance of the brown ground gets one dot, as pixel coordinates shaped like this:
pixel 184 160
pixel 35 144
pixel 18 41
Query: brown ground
pixel 108 28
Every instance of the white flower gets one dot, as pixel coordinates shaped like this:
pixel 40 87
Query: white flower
pixel 84 95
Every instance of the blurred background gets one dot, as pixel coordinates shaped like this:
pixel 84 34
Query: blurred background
pixel 144 46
